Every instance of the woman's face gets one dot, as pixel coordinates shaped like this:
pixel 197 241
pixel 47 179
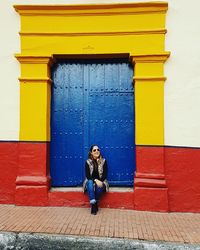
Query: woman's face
pixel 95 152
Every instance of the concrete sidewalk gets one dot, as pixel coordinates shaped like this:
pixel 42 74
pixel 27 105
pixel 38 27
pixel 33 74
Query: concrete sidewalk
pixel 108 223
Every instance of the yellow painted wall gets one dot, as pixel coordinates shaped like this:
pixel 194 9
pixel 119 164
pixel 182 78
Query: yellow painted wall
pixel 149 102
pixel 134 29
pixel 34 118
pixel 149 69
pixel 93 44
pixel 36 70
pixel 92 23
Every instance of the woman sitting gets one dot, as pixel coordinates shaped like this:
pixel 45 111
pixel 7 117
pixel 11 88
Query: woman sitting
pixel 96 173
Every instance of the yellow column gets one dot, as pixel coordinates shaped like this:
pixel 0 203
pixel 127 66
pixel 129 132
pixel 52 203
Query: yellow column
pixel 35 92
pixel 149 181
pixel 149 98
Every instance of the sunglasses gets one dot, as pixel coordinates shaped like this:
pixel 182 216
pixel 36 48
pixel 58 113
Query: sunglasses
pixel 96 149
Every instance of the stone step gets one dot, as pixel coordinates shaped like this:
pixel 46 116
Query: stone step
pixel 117 197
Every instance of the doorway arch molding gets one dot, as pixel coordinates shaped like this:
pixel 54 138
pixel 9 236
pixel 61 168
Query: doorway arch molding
pixel 110 30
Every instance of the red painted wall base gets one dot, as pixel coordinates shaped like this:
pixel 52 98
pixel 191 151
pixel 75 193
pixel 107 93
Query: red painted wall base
pixel 118 200
pixel 8 170
pixel 151 199
pixel 31 196
pixel 71 199
pixel 170 181
pixel 79 199
pixel 182 167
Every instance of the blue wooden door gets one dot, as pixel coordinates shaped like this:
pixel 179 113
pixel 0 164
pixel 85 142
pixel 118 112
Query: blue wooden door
pixel 92 103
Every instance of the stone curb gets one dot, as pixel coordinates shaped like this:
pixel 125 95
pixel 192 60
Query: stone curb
pixel 35 241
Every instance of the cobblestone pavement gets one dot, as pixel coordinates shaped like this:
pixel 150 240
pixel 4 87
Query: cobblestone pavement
pixel 112 223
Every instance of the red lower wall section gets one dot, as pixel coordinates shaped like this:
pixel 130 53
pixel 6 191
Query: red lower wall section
pixel 8 171
pixel 179 182
pixel 33 181
pixel 150 187
pixel 80 199
pixel 182 168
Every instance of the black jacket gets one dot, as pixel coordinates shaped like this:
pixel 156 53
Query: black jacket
pixel 95 173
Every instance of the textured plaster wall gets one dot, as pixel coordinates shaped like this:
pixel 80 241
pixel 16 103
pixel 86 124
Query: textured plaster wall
pixel 9 70
pixel 182 88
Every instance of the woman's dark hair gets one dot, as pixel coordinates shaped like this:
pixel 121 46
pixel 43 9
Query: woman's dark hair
pixel 90 151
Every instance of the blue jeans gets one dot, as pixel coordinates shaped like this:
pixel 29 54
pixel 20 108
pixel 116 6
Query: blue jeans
pixel 94 192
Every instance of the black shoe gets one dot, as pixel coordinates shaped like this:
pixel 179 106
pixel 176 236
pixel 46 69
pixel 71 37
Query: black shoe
pixel 94 209
pixel 96 204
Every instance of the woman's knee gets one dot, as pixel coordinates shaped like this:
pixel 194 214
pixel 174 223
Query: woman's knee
pixel 89 183
pixel 100 189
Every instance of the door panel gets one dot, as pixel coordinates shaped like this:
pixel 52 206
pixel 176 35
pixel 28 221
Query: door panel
pixel 66 147
pixel 92 103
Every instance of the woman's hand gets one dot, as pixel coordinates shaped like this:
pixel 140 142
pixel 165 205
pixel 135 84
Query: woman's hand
pixel 99 183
